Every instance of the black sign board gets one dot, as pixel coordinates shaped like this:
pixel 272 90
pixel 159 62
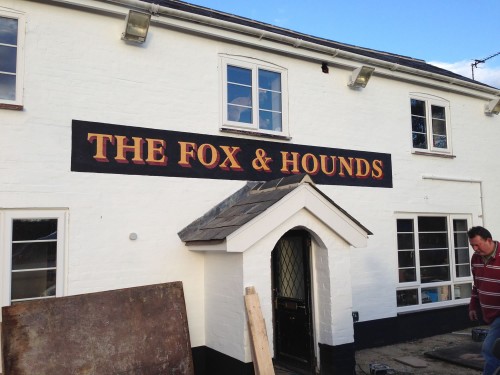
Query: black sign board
pixel 107 148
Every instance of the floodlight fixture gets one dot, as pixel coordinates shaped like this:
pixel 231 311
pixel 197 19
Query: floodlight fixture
pixel 492 107
pixel 360 77
pixel 136 26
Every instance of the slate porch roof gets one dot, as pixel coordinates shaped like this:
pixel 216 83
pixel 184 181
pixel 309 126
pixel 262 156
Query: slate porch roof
pixel 244 205
pixel 380 55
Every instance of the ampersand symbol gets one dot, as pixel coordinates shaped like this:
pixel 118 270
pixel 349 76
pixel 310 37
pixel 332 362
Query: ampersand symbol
pixel 260 163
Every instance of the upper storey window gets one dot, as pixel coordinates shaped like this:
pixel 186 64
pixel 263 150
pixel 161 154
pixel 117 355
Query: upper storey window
pixel 11 41
pixel 430 125
pixel 254 97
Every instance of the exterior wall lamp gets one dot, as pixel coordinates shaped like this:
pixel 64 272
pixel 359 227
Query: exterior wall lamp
pixel 492 107
pixel 136 26
pixel 360 77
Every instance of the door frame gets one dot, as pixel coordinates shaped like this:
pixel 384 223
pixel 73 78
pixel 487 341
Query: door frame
pixel 307 254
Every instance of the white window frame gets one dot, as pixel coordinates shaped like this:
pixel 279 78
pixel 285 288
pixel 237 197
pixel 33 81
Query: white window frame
pixel 254 66
pixel 431 100
pixel 7 218
pixel 454 280
pixel 17 103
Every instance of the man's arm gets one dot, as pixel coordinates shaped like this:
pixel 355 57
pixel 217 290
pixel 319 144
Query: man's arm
pixel 474 299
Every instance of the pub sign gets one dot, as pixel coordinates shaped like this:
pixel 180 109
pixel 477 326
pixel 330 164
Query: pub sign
pixel 118 149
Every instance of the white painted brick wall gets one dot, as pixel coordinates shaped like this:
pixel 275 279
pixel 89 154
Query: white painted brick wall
pixel 225 310
pixel 76 67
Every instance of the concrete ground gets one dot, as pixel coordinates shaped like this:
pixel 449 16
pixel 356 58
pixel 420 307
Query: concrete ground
pixel 414 350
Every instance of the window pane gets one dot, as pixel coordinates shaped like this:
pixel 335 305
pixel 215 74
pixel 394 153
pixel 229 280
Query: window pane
pixel 462 291
pixel 269 80
pixel 239 95
pixel 270 100
pixel 407 275
pixel 419 140
pixel 8 31
pixel 438 112
pixel 437 294
pixel 461 239
pixel 406 259
pixel 8 59
pixel 460 225
pixel 417 107
pixel 406 253
pixel 432 224
pixel 435 274
pixel 440 141
pixel 270 120
pixel 34 255
pixel 463 270
pixel 433 240
pixel 462 256
pixel 31 284
pixel 407 297
pixel 34 229
pixel 434 257
pixel 405 241
pixel 418 124
pixel 239 106
pixel 404 225
pixel 461 249
pixel 438 127
pixel 7 87
pixel 239 75
pixel 240 114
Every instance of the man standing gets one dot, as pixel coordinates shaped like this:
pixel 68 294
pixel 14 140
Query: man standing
pixel 485 265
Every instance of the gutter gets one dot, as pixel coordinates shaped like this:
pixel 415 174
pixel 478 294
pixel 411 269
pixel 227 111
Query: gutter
pixel 298 43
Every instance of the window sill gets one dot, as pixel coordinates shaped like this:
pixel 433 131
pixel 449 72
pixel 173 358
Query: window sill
pixel 255 133
pixel 430 153
pixel 14 107
pixel 434 306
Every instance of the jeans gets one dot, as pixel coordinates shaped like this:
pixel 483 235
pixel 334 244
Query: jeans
pixel 491 362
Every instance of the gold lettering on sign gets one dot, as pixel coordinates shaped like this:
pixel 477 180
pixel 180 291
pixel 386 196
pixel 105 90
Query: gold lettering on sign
pixel 122 148
pixel 310 164
pixel 287 163
pixel 156 151
pixel 324 165
pixel 345 166
pixel 378 172
pixel 261 162
pixel 363 168
pixel 101 141
pixel 187 152
pixel 231 163
pixel 330 165
pixel 209 156
pixel 153 151
pixel 202 155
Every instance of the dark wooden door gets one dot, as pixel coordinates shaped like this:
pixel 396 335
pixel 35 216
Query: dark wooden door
pixel 292 299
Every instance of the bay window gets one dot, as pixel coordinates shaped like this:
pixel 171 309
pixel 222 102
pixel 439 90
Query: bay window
pixel 433 260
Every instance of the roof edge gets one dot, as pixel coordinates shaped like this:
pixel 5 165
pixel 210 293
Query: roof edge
pixel 217 209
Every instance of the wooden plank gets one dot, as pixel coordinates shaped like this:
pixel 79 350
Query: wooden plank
pixel 134 331
pixel 262 361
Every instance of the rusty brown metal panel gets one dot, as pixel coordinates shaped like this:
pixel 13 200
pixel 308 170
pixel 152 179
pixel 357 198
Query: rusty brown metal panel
pixel 139 331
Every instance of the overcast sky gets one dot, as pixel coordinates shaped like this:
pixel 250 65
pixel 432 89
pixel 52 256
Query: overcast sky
pixel 448 33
